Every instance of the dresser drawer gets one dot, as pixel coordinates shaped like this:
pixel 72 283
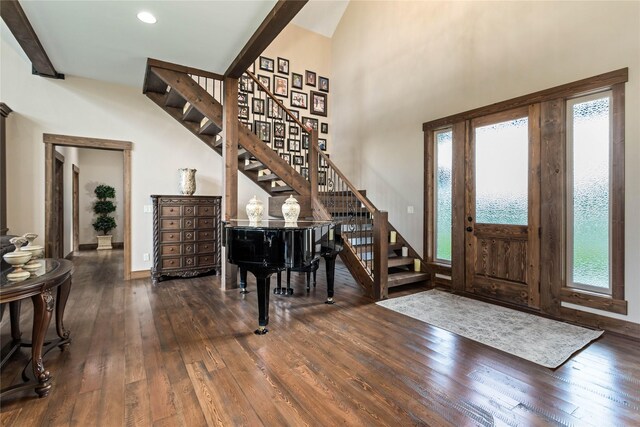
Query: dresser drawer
pixel 189 261
pixel 170 236
pixel 170 250
pixel 171 263
pixel 205 210
pixel 189 235
pixel 205 248
pixel 205 223
pixel 188 223
pixel 206 260
pixel 206 235
pixel 170 224
pixel 189 210
pixel 170 211
pixel 188 249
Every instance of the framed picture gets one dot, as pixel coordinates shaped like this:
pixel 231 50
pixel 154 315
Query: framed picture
pixel 310 78
pixel 278 143
pixel 293 130
pixel 305 141
pixel 265 80
pixel 298 160
pixel 323 162
pixel 286 157
pixel 299 99
pixel 243 111
pixel 266 63
pixel 258 106
pixel 281 86
pixel 243 98
pixel 322 178
pixel 294 113
pixel 283 66
pixel 322 143
pixel 263 130
pixel 246 84
pixel 324 127
pixel 296 80
pixel 273 109
pixel 310 123
pixel 249 126
pixel 279 130
pixel 318 104
pixel 293 144
pixel 304 172
pixel 323 84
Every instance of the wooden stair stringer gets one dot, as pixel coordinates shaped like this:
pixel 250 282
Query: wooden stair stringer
pixel 356 269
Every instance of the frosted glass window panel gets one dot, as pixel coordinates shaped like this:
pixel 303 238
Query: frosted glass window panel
pixel 444 168
pixel 590 190
pixel 502 160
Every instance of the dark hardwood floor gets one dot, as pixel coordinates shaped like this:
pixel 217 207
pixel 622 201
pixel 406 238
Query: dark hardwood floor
pixel 183 353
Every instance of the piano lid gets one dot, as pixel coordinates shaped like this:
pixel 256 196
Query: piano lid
pixel 271 224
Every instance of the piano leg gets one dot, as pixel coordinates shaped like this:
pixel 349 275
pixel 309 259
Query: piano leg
pixel 288 291
pixel 330 263
pixel 243 281
pixel 263 284
pixel 278 288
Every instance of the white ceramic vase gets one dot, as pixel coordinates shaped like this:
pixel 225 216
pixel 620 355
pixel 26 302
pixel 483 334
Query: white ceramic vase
pixel 290 209
pixel 255 210
pixel 187 181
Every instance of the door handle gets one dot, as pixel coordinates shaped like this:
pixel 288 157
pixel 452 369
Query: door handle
pixel 469 229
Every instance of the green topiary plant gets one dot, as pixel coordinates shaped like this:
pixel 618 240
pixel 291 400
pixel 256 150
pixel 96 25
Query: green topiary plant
pixel 103 207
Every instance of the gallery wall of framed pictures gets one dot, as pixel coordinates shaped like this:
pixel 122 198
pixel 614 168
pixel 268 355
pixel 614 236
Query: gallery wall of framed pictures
pixel 295 69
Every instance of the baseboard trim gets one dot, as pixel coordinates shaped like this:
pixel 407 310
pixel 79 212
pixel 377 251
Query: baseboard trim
pixel 94 246
pixel 140 274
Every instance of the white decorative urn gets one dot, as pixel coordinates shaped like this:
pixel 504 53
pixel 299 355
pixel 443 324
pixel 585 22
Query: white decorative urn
pixel 187 181
pixel 255 209
pixel 291 209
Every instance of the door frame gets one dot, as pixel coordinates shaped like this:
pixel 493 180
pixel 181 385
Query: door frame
pixel 532 268
pixel 75 189
pixel 51 141
pixel 57 216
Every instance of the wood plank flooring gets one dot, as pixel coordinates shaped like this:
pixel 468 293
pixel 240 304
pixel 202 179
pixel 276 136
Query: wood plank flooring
pixel 183 353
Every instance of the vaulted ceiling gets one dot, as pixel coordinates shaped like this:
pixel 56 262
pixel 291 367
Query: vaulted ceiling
pixel 104 40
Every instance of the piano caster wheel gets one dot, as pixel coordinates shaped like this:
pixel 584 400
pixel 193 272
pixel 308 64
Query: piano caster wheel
pixel 244 291
pixel 261 330
pixel 289 292
pixel 277 291
pixel 329 301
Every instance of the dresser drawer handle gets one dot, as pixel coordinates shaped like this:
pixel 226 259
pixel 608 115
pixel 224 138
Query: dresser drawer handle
pixel 171 210
pixel 172 262
pixel 171 250
pixel 171 236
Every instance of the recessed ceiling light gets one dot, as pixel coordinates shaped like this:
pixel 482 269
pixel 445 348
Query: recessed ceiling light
pixel 147 18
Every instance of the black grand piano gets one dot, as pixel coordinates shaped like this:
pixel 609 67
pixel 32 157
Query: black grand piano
pixel 270 246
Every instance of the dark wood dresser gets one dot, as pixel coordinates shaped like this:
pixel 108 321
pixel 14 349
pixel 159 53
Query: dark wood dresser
pixel 186 235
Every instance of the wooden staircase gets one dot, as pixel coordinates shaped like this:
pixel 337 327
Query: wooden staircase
pixel 359 237
pixel 194 98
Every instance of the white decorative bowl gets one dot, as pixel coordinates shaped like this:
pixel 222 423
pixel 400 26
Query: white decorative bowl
pixel 37 251
pixel 17 259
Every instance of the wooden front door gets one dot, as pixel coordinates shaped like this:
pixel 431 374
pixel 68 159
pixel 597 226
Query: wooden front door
pixel 502 204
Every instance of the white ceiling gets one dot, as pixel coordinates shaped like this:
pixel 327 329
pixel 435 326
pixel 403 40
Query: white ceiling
pixel 104 40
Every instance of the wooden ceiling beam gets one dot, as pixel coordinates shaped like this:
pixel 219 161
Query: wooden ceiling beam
pixel 279 17
pixel 19 25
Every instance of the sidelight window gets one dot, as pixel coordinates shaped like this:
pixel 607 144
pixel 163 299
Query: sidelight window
pixel 442 195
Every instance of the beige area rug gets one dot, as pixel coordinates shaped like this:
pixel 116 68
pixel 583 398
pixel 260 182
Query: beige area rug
pixel 543 341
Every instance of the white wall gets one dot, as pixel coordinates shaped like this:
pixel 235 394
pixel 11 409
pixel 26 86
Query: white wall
pixel 100 167
pixel 89 108
pixel 396 65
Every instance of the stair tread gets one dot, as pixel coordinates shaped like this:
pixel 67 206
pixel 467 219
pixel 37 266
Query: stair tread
pixel 281 188
pixel 254 166
pixel 399 261
pixel 209 128
pixel 404 277
pixel 191 114
pixel 269 177
pixel 174 99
